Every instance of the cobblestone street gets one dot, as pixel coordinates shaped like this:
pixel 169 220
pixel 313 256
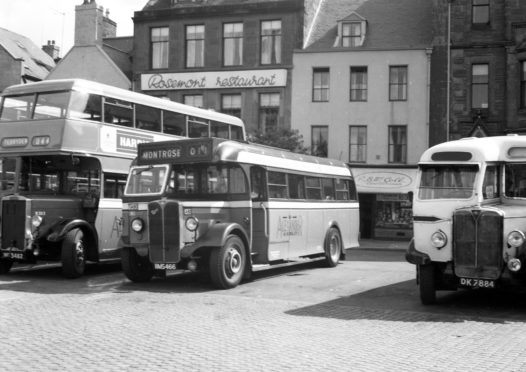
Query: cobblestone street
pixel 308 318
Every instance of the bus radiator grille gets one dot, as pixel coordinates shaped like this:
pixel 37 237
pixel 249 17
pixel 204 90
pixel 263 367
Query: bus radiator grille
pixel 477 244
pixel 164 232
pixel 13 223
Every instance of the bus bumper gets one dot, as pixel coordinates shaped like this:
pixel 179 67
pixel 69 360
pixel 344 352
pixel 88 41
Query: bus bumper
pixel 416 257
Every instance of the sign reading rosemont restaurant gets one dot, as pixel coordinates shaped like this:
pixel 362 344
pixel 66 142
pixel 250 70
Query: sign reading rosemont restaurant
pixel 215 80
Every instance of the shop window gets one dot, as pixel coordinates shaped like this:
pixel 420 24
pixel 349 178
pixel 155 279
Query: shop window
pixel 394 216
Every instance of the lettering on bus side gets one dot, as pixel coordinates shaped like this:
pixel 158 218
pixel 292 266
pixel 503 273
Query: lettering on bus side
pixel 290 226
pixel 127 142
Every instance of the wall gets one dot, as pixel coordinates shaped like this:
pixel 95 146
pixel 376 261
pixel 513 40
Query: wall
pixel 377 112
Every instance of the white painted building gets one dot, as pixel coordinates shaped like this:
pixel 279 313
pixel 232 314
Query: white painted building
pixel 360 93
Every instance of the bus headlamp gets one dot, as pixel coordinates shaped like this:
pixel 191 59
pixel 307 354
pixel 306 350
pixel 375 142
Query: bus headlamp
pixel 192 223
pixel 439 239
pixel 516 238
pixel 36 221
pixel 137 225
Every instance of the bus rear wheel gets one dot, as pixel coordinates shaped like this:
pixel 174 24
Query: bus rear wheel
pixel 5 266
pixel 227 264
pixel 136 268
pixel 333 247
pixel 426 283
pixel 73 254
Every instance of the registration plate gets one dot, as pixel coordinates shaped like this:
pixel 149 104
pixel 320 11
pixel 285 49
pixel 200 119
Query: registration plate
pixel 165 266
pixel 477 283
pixel 13 255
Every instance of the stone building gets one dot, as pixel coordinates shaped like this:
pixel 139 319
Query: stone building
pixel 361 94
pixel 225 55
pixel 478 80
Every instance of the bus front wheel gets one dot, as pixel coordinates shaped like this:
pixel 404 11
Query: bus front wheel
pixel 136 268
pixel 227 264
pixel 73 254
pixel 333 247
pixel 426 283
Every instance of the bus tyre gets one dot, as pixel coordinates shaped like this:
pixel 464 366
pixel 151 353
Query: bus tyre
pixel 333 247
pixel 136 268
pixel 73 254
pixel 227 264
pixel 5 266
pixel 426 281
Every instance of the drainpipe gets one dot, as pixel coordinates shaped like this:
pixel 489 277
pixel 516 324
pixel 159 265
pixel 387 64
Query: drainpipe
pixel 448 64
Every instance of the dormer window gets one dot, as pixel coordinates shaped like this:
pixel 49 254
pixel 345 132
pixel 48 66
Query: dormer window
pixel 351 31
pixel 351 34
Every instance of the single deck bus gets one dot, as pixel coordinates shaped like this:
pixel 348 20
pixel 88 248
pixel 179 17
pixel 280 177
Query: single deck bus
pixel 65 151
pixel 470 216
pixel 227 208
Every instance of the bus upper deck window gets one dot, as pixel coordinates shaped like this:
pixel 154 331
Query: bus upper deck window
pixel 85 106
pixel 16 108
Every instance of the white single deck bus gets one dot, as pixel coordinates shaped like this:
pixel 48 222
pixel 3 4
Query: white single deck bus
pixel 65 151
pixel 227 208
pixel 470 215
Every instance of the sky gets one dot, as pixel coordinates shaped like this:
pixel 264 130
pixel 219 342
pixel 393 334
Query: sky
pixel 43 20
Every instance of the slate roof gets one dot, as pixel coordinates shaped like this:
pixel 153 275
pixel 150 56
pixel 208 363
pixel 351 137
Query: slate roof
pixel 391 24
pixel 36 62
pixel 166 4
pixel 330 13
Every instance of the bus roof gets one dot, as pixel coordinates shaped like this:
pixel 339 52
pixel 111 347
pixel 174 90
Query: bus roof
pixel 476 150
pixel 217 150
pixel 128 95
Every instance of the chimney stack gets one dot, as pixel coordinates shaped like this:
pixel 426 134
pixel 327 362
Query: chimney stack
pixel 52 50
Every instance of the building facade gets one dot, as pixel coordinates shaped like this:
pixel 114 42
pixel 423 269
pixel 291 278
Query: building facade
pixel 361 94
pixel 479 69
pixel 229 56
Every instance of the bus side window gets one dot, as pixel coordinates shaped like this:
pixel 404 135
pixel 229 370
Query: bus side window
pixel 147 118
pixel 118 112
pixel 342 189
pixel 296 186
pixel 277 185
pixel 219 130
pixel 313 188
pixel 114 185
pixel 236 133
pixel 174 123
pixel 490 184
pixel 327 186
pixel 257 183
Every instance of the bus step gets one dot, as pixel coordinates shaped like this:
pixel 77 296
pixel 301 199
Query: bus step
pixel 300 260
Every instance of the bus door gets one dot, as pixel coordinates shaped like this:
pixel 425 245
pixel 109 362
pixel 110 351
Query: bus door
pixel 109 213
pixel 258 194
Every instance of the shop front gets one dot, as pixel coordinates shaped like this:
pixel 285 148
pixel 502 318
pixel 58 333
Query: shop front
pixel 385 196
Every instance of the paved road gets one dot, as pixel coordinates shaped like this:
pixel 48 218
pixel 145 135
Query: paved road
pixel 363 315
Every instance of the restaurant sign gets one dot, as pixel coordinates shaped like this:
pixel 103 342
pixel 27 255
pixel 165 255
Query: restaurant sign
pixel 215 80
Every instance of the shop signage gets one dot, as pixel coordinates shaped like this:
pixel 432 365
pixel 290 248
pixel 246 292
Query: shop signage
pixel 382 180
pixel 215 80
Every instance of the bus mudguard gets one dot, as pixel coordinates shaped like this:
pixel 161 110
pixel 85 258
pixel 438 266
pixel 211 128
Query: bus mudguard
pixel 59 231
pixel 416 257
pixel 216 236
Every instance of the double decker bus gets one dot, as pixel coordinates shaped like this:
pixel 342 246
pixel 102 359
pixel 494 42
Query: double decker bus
pixel 65 151
pixel 226 208
pixel 470 216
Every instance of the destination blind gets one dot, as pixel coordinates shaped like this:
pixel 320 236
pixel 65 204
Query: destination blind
pixel 180 151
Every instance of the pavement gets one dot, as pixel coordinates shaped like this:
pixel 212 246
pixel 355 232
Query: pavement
pixel 396 245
